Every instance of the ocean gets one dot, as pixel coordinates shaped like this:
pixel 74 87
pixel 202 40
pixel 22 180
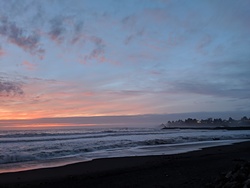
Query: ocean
pixel 32 149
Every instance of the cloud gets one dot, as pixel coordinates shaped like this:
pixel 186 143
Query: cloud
pixel 2 52
pixel 130 92
pixel 57 29
pixel 213 89
pixel 203 43
pixel 157 15
pixel 78 27
pixel 134 36
pixel 65 28
pixel 129 21
pixel 10 88
pixel 28 65
pixel 16 35
pixel 98 51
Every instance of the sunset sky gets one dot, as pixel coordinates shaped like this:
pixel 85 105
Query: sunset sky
pixel 68 58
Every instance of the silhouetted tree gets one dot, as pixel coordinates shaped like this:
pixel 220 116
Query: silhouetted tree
pixel 244 118
pixel 218 121
pixel 230 120
pixel 191 121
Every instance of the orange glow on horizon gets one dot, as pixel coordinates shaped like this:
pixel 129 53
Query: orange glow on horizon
pixel 32 117
pixel 50 99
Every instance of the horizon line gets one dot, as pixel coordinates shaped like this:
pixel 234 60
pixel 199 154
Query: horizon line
pixel 131 115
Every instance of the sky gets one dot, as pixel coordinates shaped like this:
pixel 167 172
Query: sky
pixel 78 58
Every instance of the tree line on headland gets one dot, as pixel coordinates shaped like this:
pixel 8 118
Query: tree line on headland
pixel 216 122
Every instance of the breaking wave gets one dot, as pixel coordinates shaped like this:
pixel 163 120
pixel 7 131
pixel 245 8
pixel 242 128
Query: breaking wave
pixel 34 146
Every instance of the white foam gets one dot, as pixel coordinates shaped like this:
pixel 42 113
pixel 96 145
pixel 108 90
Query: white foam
pixel 31 149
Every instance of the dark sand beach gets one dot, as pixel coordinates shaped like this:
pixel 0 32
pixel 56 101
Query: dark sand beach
pixel 193 169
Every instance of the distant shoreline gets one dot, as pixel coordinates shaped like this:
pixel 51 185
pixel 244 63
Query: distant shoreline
pixel 210 128
pixel 209 123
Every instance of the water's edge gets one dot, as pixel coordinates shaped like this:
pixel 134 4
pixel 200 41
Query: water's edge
pixel 143 151
pixel 32 149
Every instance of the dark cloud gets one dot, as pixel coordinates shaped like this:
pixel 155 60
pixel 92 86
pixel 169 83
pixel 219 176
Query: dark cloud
pixel 213 89
pixel 16 35
pixel 78 27
pixel 57 29
pixel 134 36
pixel 130 24
pixel 65 27
pixel 10 88
pixel 38 19
pixel 98 50
pixel 97 41
pixel 129 21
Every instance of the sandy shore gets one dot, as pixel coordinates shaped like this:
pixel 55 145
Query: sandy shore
pixel 193 169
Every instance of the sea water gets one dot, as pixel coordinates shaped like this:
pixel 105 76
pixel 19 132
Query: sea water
pixel 31 149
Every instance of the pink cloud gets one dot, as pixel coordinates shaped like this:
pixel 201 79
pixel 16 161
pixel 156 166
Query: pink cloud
pixel 2 52
pixel 155 72
pixel 28 65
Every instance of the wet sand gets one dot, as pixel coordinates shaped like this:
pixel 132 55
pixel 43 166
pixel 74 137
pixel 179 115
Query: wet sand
pixel 193 169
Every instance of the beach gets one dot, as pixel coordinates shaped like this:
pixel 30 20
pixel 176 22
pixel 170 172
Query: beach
pixel 193 169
